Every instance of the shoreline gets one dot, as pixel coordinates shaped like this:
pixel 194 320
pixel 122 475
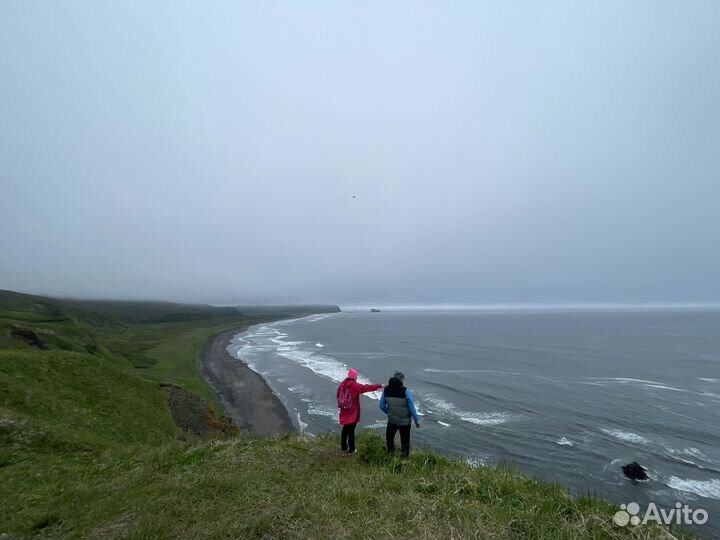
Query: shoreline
pixel 243 393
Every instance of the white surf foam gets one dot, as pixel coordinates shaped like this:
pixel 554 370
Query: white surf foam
pixel 477 461
pixel 437 405
pixel 317 362
pixel 302 425
pixel 623 380
pixel 318 317
pixel 665 387
pixel 564 441
pixel 445 424
pixel 323 365
pixel 686 453
pixel 706 379
pixel 486 419
pixel 704 488
pixel 320 410
pixel 243 347
pixel 307 318
pixel 319 345
pixel 626 436
pixel 300 389
pixel 369 354
pixel 694 452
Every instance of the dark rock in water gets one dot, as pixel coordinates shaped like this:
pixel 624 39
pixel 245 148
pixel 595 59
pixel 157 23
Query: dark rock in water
pixel 29 337
pixel 635 471
pixel 374 310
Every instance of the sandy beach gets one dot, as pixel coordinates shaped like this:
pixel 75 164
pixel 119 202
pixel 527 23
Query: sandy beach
pixel 243 393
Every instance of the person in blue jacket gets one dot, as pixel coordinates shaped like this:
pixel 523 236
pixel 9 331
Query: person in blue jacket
pixel 397 402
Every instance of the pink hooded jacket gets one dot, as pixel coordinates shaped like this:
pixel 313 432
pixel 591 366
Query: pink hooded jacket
pixel 352 415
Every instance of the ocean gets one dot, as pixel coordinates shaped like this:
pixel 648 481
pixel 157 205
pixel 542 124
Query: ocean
pixel 567 396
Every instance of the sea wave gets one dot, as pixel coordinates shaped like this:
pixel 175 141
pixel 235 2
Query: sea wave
pixel 318 317
pixel 243 347
pixel 564 441
pixel 438 406
pixel 477 461
pixel 692 456
pixel 300 389
pixel 703 488
pixel 623 380
pixel 306 318
pixel 302 425
pixel 319 410
pixel 435 370
pixel 665 387
pixel 642 382
pixel 492 372
pixel 693 452
pixel 626 436
pixel 486 419
pixel 320 363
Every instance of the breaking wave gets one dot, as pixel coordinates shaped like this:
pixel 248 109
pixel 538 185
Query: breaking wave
pixel 626 436
pixel 703 488
pixel 440 407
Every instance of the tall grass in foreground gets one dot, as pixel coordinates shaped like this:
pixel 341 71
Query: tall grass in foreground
pixel 290 487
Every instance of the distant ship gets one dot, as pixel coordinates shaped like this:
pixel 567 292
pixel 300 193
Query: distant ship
pixel 374 310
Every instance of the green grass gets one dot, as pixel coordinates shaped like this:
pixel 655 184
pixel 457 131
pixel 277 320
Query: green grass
pixel 126 333
pixel 88 450
pixel 60 402
pixel 173 352
pixel 291 487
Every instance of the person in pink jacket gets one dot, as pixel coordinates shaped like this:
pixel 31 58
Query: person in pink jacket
pixel 348 396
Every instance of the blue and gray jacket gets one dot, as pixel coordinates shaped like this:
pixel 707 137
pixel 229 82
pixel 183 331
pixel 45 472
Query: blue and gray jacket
pixel 398 404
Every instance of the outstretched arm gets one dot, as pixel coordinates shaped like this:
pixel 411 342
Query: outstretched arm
pixel 364 388
pixel 411 408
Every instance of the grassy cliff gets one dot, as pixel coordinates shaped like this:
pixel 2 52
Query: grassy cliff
pixel 88 449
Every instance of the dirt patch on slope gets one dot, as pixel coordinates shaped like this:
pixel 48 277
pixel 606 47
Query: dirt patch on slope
pixel 193 415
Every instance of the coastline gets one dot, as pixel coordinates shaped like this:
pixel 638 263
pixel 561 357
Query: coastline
pixel 243 393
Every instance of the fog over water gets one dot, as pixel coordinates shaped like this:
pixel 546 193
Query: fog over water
pixel 413 152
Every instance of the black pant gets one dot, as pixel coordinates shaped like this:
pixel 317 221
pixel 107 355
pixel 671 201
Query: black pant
pixel 347 438
pixel 404 438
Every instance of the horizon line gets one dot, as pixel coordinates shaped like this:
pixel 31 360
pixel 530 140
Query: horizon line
pixel 526 306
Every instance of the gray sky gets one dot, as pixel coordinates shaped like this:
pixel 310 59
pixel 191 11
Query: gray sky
pixel 499 152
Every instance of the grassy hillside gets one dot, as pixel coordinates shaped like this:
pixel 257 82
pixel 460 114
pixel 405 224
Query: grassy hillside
pixel 162 339
pixel 88 450
pixel 291 487
pixel 63 402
